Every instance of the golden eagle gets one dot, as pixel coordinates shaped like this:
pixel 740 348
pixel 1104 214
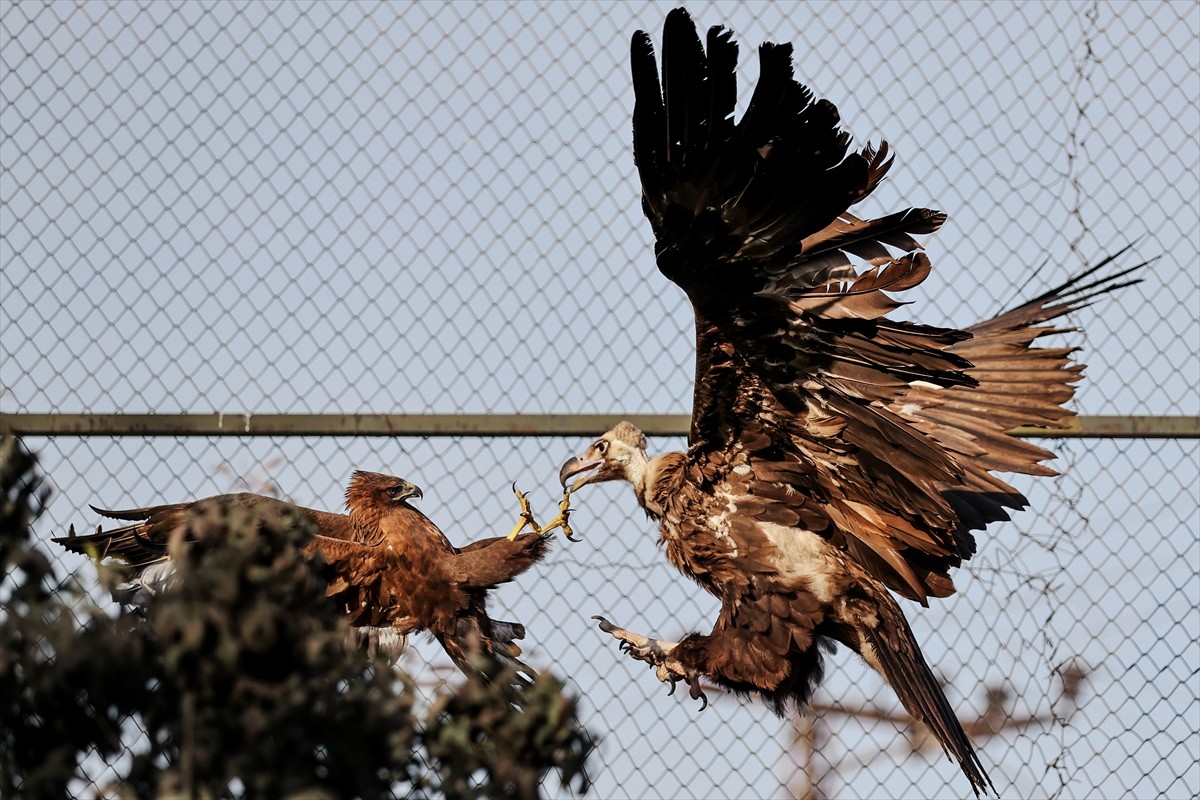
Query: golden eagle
pixel 835 455
pixel 390 569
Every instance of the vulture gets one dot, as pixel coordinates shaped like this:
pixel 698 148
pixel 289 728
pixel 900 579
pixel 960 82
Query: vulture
pixel 836 456
pixel 390 570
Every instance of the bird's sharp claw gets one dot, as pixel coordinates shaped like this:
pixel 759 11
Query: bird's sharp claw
pixel 659 655
pixel 564 514
pixel 526 518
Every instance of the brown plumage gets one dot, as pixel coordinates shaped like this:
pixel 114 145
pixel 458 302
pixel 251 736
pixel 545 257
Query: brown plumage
pixel 390 569
pixel 834 454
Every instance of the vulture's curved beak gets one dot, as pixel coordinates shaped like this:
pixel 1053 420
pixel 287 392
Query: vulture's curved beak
pixel 577 466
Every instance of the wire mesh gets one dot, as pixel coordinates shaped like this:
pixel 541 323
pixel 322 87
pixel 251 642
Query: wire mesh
pixel 431 208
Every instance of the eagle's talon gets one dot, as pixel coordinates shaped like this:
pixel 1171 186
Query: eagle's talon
pixel 526 518
pixel 561 521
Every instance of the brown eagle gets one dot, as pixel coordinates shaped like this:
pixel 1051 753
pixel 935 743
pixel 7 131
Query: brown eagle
pixel 390 569
pixel 835 455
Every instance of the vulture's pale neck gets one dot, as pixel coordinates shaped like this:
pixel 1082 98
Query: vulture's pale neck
pixel 644 475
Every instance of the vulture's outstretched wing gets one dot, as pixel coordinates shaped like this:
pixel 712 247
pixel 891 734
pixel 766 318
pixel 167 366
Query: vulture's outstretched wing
pixel 801 378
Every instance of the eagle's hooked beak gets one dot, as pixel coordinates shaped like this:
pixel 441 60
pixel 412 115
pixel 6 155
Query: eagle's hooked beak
pixel 405 490
pixel 576 466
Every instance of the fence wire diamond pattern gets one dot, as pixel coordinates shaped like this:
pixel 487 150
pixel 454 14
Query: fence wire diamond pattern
pixel 432 208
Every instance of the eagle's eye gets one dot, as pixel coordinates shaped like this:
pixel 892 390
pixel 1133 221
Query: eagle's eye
pixel 395 490
pixel 601 446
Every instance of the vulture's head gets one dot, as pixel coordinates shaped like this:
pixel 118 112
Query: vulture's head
pixel 371 489
pixel 619 454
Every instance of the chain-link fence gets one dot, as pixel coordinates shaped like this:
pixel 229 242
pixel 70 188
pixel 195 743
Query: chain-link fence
pixel 432 208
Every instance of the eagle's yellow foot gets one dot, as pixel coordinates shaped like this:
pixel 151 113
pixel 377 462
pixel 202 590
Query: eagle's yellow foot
pixel 657 654
pixel 526 515
pixel 564 514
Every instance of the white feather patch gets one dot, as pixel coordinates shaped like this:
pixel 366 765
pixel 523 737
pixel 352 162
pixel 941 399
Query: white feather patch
pixel 807 558
pixel 719 524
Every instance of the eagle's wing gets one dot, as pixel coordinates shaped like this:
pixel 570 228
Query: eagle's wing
pixel 378 587
pixel 805 390
pixel 489 562
pixel 145 543
pixel 412 582
pixel 145 539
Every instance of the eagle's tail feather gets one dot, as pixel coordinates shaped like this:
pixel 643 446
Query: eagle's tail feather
pixel 897 656
pixel 481 645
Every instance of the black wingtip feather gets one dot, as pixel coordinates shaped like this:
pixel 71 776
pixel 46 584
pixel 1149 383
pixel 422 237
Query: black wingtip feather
pixel 1074 294
pixel 127 515
pixel 1075 285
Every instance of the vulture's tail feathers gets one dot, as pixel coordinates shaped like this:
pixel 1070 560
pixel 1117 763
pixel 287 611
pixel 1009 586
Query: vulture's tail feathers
pixel 899 658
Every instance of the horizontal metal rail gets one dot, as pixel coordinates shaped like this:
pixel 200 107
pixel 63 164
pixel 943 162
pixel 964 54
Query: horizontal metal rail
pixel 248 424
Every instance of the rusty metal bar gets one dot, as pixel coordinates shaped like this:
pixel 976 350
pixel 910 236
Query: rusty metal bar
pixel 248 424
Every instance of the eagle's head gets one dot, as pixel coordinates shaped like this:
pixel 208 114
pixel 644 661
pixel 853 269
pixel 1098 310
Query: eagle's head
pixel 620 454
pixel 372 489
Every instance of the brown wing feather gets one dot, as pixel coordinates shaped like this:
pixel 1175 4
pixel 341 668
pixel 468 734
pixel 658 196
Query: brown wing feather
pixel 1018 385
pixel 380 585
pixel 155 525
pixel 786 333
pixel 489 562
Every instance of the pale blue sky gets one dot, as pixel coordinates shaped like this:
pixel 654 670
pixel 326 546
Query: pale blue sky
pixel 418 208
